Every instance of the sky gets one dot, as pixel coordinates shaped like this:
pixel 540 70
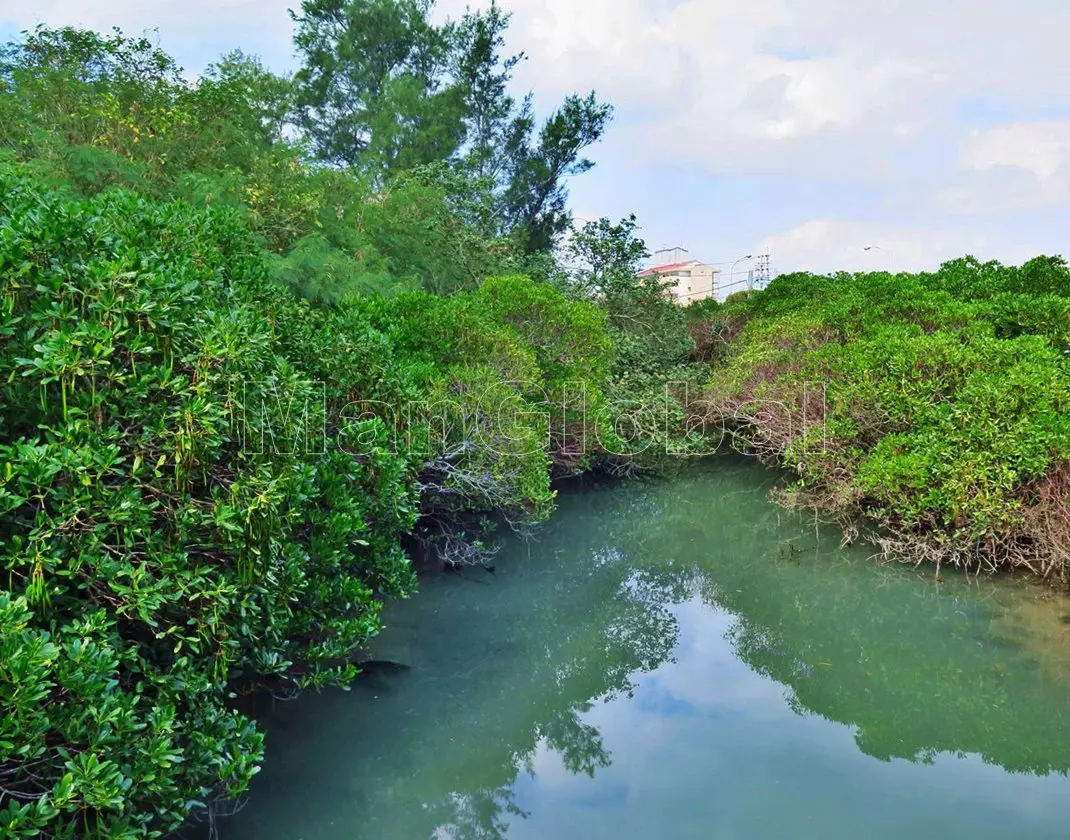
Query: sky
pixel 831 134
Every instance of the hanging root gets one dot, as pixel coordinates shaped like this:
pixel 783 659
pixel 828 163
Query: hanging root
pixel 1046 522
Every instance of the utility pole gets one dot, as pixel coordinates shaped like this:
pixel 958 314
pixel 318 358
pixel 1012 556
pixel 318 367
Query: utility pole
pixel 761 271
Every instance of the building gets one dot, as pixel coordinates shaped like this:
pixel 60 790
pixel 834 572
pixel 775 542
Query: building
pixel 687 280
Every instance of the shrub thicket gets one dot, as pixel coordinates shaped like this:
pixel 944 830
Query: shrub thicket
pixel 174 524
pixel 158 552
pixel 234 381
pixel 935 403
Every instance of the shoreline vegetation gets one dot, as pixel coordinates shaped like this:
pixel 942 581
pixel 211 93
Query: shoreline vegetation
pixel 932 408
pixel 390 228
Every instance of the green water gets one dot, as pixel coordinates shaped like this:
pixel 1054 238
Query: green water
pixel 683 659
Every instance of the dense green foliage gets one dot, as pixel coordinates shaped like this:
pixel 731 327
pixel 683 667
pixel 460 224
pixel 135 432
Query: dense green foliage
pixel 174 525
pixel 654 386
pixel 156 552
pixel 237 384
pixel 385 90
pixel 89 113
pixel 265 340
pixel 934 403
pixel 501 377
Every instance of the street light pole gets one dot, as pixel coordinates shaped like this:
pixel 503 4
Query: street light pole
pixel 732 271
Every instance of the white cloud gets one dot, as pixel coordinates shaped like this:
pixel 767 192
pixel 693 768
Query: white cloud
pixel 774 86
pixel 915 111
pixel 764 85
pixel 1021 166
pixel 1041 147
pixel 828 245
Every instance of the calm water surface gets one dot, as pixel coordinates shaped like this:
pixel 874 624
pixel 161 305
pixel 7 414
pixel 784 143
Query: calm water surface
pixel 682 659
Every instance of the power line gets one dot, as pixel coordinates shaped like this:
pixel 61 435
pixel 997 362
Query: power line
pixel 717 289
pixel 762 270
pixel 757 277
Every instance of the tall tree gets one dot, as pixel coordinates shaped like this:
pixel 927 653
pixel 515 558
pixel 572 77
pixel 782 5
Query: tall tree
pixel 257 101
pixel 606 259
pixel 384 89
pixel 536 197
pixel 648 327
pixel 527 169
pixel 484 74
pixel 374 91
pixel 79 83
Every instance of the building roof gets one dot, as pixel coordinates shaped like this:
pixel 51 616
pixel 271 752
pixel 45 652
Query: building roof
pixel 665 269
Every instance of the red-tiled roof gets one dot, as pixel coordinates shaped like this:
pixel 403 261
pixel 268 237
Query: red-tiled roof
pixel 665 269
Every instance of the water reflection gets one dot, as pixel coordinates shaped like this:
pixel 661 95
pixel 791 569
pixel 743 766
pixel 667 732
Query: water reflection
pixel 676 657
